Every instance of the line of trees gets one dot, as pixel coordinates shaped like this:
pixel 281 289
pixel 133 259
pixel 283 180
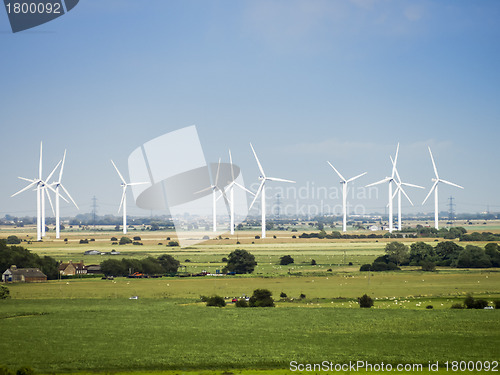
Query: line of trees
pixel 164 264
pixel 446 253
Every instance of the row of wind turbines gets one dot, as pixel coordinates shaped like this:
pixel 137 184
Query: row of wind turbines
pixel 396 179
pixel 43 186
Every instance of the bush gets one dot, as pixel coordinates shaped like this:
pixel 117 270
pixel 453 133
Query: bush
pixel 283 295
pixel 25 371
pixel 261 298
pixel 472 303
pixel 365 267
pixel 224 259
pixel 496 303
pixel 4 292
pixel 13 240
pixel 173 243
pixel 257 237
pixel 313 262
pixel 285 260
pixel 241 303
pixel 125 240
pixel 302 296
pixel 216 301
pixel 137 238
pixel 457 306
pixel 84 241
pixel 114 239
pixel 203 298
pixel 428 265
pixel 365 301
pixel 429 307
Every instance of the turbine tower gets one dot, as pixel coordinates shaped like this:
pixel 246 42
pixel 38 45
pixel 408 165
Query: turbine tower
pixel 40 190
pixel 389 180
pixel 262 191
pixel 123 202
pixel 399 190
pixel 58 185
pixel 434 188
pixel 230 188
pixel 344 183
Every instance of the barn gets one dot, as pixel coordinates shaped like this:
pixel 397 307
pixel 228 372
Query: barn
pixel 23 275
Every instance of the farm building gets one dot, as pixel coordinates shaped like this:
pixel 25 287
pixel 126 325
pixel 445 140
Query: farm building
pixel 94 268
pixel 23 275
pixel 71 268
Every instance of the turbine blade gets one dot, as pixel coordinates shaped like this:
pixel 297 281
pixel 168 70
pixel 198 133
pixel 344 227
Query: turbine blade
pixel 26 179
pixel 217 174
pixel 451 183
pixel 119 174
pixel 50 201
pixel 433 164
pixel 354 178
pixel 341 177
pixel 123 197
pixel 69 196
pixel 257 194
pixel 62 167
pixel 258 162
pixel 231 163
pixel 395 161
pixel 244 188
pixel 279 179
pixel 25 188
pixel 406 195
pixel 211 187
pixel 412 185
pixel 379 182
pixel 40 163
pixel 395 192
pixel 430 191
pixel 137 183
pixel 51 173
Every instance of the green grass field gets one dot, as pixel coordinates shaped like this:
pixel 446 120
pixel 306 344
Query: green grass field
pixel 91 326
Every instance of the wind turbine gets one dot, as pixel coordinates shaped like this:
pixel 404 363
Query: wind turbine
pixel 123 202
pixel 434 188
pixel 41 186
pixel 389 180
pixel 344 183
pixel 262 191
pixel 230 188
pixel 399 190
pixel 59 185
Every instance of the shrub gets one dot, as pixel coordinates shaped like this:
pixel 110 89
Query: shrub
pixel 224 259
pixel 285 260
pixel 114 239
pixel 216 301
pixel 496 303
pixel 241 303
pixel 429 307
pixel 428 265
pixel 84 241
pixel 365 301
pixel 283 295
pixel 365 267
pixel 25 371
pixel 313 262
pixel 125 240
pixel 173 243
pixel 261 298
pixel 4 292
pixel 137 238
pixel 302 296
pixel 457 306
pixel 137 243
pixel 203 298
pixel 13 240
pixel 472 303
pixel 257 237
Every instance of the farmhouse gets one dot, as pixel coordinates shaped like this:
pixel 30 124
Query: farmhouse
pixel 23 275
pixel 71 268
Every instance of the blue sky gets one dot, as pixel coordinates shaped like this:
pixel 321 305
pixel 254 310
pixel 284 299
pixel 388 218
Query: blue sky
pixel 304 81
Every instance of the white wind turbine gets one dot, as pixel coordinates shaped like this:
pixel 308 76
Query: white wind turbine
pixel 41 187
pixel 389 180
pixel 344 183
pixel 123 202
pixel 58 185
pixel 434 188
pixel 230 188
pixel 399 190
pixel 262 191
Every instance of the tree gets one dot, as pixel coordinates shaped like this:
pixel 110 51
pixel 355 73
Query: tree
pixel 125 240
pixel 151 266
pixel 4 292
pixel 240 261
pixel 420 251
pixel 365 301
pixel 261 298
pixel 169 263
pixel 285 260
pixel 397 252
pixel 13 240
pixel 447 251
pixel 473 257
pixel 113 267
pixel 493 251
pixel 216 301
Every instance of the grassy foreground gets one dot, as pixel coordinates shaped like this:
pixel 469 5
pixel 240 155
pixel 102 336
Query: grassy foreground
pixel 153 334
